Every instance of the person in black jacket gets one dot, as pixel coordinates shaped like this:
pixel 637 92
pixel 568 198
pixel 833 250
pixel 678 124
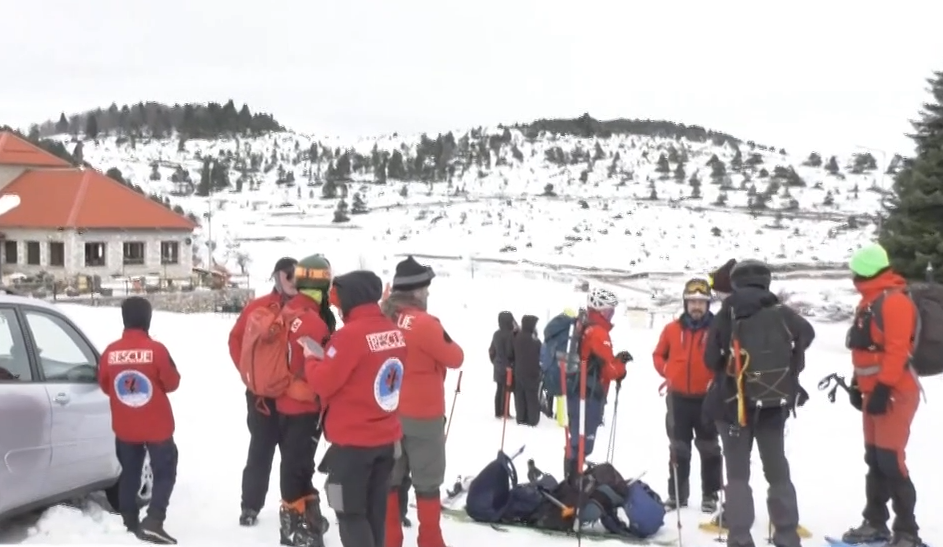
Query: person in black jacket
pixel 527 372
pixel 502 358
pixel 740 426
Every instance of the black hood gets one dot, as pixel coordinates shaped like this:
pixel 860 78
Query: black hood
pixel 357 288
pixel 751 273
pixel 136 313
pixel 529 324
pixel 747 301
pixel 506 320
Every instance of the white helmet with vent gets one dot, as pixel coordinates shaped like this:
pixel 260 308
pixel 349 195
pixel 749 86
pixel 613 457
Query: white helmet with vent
pixel 601 299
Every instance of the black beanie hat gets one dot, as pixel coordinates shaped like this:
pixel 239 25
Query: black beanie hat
pixel 136 313
pixel 285 264
pixel 411 275
pixel 357 288
pixel 720 278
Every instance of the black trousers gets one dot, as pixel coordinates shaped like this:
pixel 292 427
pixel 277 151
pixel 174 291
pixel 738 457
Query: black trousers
pixel 685 423
pixel 358 483
pixel 163 466
pixel 264 433
pixel 298 442
pixel 527 403
pixel 500 393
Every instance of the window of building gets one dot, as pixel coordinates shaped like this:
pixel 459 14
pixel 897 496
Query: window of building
pixel 56 253
pixel 95 254
pixel 10 252
pixel 169 252
pixel 133 253
pixel 32 253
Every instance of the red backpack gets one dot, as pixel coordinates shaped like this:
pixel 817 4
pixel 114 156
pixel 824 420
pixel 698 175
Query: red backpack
pixel 264 361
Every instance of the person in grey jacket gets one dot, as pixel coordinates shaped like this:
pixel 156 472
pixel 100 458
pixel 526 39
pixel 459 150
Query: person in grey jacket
pixel 501 353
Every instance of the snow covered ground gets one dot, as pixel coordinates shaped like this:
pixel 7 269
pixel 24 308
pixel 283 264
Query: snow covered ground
pixel 824 443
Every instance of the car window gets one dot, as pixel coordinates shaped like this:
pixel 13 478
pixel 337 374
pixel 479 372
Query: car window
pixel 63 355
pixel 14 361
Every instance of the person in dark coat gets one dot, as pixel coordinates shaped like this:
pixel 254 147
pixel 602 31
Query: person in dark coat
pixel 750 281
pixel 527 372
pixel 501 353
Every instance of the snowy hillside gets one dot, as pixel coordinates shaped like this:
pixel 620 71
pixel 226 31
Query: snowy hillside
pixel 624 203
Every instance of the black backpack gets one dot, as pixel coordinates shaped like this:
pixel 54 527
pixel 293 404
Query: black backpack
pixel 927 356
pixel 762 359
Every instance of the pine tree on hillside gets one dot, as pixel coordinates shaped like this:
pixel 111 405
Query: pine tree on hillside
pixel 912 231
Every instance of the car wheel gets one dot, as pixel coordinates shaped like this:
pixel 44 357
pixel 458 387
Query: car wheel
pixel 144 492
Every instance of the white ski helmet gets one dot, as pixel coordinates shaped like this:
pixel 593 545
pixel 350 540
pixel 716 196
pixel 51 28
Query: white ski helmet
pixel 601 299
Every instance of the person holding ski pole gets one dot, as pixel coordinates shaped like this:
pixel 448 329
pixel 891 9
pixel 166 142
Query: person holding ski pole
pixel 430 353
pixel 679 360
pixel 602 367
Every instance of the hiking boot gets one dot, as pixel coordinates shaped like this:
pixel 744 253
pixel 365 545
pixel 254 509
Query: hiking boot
pixel 313 516
pixel 869 533
pixel 249 517
pixel 132 522
pixel 710 503
pixel 294 528
pixel 671 504
pixel 152 531
pixel 905 540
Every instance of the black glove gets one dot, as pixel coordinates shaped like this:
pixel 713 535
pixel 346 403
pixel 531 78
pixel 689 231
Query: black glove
pixel 879 400
pixel 854 395
pixel 802 397
pixel 624 357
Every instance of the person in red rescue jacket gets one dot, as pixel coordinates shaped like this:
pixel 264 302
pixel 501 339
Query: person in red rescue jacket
pixel 358 379
pixel 137 373
pixel 886 390
pixel 679 359
pixel 431 352
pixel 290 421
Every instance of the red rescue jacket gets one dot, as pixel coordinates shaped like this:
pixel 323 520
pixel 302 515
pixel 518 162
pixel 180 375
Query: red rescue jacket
pixel 360 378
pixel 137 373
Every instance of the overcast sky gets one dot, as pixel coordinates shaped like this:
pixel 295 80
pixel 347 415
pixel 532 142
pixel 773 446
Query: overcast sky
pixel 805 75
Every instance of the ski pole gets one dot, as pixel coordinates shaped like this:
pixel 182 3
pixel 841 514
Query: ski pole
pixel 458 389
pixel 611 451
pixel 674 466
pixel 507 404
pixel 581 453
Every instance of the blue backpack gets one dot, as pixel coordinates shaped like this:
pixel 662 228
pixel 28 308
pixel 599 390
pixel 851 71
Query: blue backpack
pixel 495 496
pixel 561 348
pixel 643 507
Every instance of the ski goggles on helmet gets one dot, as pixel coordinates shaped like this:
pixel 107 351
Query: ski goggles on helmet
pixel 697 289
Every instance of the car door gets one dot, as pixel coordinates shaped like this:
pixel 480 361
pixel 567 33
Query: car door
pixel 83 443
pixel 25 420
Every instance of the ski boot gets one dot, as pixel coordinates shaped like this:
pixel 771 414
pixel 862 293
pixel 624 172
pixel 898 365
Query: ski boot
pixel 869 533
pixel 248 517
pixel 152 531
pixel 710 503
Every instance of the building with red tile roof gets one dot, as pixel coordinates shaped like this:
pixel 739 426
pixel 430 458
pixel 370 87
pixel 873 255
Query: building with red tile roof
pixel 76 220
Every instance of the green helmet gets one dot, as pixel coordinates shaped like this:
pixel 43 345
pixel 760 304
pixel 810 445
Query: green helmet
pixel 313 273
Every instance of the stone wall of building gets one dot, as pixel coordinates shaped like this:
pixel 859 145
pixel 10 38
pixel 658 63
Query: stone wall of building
pixel 198 301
